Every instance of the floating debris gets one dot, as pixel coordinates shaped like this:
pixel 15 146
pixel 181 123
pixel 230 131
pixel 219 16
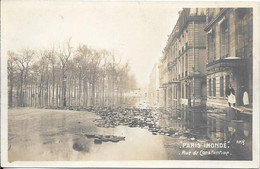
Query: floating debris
pixel 110 117
pixel 90 135
pixel 134 117
pixel 98 139
pixel 80 147
pixel 154 133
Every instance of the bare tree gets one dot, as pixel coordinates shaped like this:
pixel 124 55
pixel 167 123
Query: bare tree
pixel 11 68
pixel 81 78
pixel 94 67
pixel 23 62
pixel 64 56
pixel 51 56
pixel 82 61
pixel 112 69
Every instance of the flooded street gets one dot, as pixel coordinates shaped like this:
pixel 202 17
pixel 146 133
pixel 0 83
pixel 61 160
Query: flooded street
pixel 68 135
pixel 39 134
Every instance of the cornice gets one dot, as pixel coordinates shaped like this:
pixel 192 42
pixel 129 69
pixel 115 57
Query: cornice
pixel 216 19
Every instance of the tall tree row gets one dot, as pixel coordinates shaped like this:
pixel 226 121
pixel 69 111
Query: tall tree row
pixel 67 76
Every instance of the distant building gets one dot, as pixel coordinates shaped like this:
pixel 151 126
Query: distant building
pixel 183 65
pixel 229 54
pixel 163 81
pixel 153 87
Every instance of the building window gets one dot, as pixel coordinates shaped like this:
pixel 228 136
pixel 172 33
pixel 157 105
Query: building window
pixel 224 43
pixel 186 65
pixel 182 91
pixel 187 91
pixel 221 87
pixel 182 66
pixel 227 81
pixel 214 86
pixel 209 87
pixel 244 29
pixel 211 47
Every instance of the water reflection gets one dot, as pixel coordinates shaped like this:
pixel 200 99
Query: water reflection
pixel 214 125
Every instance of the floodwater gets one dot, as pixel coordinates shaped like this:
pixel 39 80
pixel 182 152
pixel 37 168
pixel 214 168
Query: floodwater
pixel 59 135
pixel 39 134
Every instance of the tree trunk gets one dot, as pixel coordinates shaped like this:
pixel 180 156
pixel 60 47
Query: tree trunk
pixel 93 93
pixel 47 91
pixel 21 90
pixel 84 93
pixel 63 88
pixel 87 94
pixel 69 99
pixel 53 85
pixel 74 92
pixel 17 97
pixel 80 91
pixel 57 94
pixel 11 90
pixel 103 94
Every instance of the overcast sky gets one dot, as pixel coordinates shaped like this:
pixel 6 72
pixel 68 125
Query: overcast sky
pixel 137 31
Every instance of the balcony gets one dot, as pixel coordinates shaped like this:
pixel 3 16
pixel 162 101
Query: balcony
pixel 225 56
pixel 229 62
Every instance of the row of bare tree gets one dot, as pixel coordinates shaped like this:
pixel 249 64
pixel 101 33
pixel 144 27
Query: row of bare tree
pixel 65 76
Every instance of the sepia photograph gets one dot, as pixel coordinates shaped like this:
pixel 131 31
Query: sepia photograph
pixel 129 84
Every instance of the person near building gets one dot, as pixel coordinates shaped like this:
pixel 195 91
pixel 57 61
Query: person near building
pixel 230 93
pixel 245 99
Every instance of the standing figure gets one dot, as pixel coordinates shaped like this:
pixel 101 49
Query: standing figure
pixel 245 99
pixel 230 93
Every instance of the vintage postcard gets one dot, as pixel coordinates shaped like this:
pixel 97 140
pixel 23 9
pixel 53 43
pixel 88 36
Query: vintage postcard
pixel 129 84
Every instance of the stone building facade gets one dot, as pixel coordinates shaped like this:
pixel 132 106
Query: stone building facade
pixel 229 54
pixel 183 64
pixel 207 50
